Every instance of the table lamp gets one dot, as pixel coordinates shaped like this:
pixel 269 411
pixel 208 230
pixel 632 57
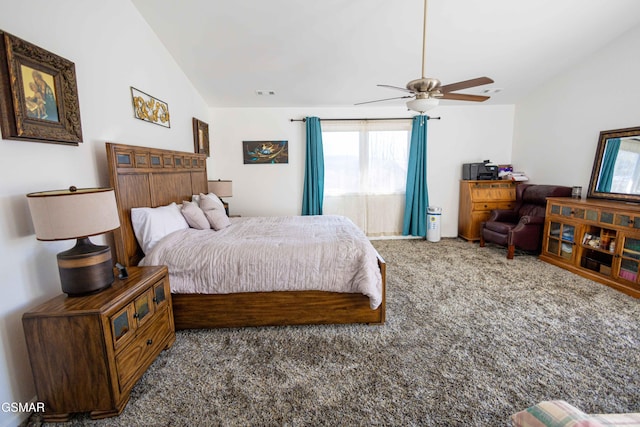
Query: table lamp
pixel 222 188
pixel 78 213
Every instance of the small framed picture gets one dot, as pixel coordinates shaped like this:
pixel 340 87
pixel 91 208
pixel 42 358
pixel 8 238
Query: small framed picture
pixel 201 137
pixel 38 94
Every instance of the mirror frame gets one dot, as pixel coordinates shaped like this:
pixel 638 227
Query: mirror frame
pixel 597 163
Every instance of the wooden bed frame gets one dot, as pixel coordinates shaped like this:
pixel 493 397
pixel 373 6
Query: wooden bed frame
pixel 151 177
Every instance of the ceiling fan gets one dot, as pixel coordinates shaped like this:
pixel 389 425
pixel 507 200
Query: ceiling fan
pixel 427 92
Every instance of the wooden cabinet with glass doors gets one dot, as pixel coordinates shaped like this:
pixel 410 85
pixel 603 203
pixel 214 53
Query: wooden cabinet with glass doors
pixel 597 239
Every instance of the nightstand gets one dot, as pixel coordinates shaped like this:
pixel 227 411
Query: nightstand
pixel 88 352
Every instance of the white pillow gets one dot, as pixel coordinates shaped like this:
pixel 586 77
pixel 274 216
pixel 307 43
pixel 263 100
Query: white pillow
pixel 214 211
pixel 152 224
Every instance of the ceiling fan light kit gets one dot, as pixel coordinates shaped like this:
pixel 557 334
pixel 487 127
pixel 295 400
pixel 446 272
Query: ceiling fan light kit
pixel 427 92
pixel 422 104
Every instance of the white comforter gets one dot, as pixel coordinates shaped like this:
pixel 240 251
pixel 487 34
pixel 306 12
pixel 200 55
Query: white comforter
pixel 258 254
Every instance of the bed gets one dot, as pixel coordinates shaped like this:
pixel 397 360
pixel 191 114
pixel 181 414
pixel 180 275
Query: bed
pixel 151 177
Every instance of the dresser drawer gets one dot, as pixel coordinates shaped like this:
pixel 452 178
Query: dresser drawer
pixel 489 194
pixel 133 359
pixel 489 206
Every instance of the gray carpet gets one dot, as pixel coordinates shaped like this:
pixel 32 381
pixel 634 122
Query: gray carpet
pixel 470 338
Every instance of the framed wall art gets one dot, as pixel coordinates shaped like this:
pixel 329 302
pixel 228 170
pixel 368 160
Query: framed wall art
pixel 38 94
pixel 201 137
pixel 255 152
pixel 150 109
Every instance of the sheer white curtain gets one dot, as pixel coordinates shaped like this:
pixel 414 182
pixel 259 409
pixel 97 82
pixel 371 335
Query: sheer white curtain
pixel 366 173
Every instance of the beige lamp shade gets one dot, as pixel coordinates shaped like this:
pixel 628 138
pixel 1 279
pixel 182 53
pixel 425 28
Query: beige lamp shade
pixel 221 188
pixel 73 213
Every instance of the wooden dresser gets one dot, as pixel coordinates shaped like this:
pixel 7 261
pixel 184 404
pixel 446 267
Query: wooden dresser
pixel 88 352
pixel 597 239
pixel 477 200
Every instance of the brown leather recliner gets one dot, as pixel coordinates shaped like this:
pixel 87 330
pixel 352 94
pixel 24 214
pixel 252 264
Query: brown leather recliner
pixel 521 227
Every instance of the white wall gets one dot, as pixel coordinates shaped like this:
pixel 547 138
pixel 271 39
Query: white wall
pixel 112 48
pixel 464 134
pixel 553 135
pixel 557 127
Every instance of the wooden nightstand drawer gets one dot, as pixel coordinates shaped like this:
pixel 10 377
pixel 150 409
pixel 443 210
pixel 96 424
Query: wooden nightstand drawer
pixel 133 359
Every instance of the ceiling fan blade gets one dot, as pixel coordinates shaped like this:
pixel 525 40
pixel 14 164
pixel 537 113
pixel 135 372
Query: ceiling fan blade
pixel 385 99
pixel 464 97
pixel 404 89
pixel 452 87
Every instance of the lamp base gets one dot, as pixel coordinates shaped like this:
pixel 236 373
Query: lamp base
pixel 226 206
pixel 85 269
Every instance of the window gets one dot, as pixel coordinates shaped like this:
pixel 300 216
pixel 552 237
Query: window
pixel 366 172
pixel 626 175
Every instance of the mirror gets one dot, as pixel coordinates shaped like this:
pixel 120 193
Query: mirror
pixel 616 168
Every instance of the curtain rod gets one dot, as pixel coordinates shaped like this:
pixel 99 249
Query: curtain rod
pixel 351 120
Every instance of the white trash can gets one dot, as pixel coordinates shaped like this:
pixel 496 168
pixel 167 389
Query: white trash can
pixel 433 223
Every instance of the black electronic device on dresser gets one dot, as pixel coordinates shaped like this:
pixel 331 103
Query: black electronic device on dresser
pixel 479 171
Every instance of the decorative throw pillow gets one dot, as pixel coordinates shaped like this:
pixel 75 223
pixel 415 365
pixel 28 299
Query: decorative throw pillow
pixel 218 219
pixel 214 211
pixel 152 224
pixel 196 199
pixel 195 216
pixel 215 200
pixel 553 413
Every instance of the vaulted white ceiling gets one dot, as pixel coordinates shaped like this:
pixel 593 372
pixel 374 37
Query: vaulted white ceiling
pixel 334 52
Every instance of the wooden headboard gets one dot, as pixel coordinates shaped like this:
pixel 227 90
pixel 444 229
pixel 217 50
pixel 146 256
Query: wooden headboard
pixel 150 177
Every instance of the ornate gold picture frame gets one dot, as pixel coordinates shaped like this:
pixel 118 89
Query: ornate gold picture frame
pixel 38 94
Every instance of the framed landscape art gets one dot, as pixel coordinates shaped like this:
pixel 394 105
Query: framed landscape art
pixel 38 94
